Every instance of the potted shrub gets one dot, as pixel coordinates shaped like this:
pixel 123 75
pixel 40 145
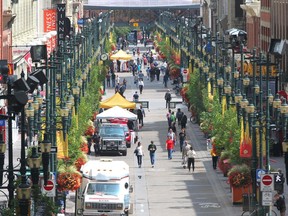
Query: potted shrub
pixel 224 162
pixel 240 180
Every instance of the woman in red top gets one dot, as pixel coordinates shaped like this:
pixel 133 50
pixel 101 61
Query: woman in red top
pixel 169 147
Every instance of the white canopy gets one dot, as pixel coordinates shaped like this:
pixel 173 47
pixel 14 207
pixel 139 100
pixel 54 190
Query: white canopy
pixel 116 112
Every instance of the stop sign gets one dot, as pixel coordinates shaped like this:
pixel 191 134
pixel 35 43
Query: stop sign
pixel 185 71
pixel 267 180
pixel 49 186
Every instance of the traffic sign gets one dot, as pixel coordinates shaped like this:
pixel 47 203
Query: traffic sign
pixel 53 149
pixel 267 182
pixel 49 190
pixel 185 71
pixel 2 122
pixel 49 186
pixel 267 199
pixel 258 174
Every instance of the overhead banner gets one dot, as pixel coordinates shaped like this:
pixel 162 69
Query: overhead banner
pixel 61 13
pixel 50 19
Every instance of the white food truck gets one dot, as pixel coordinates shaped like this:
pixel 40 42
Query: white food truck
pixel 105 189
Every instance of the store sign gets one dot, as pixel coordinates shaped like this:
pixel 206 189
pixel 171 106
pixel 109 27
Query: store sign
pixel 50 19
pixel 61 12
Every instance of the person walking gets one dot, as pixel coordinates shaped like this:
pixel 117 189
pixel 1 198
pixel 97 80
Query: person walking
pixel 168 115
pixel 117 79
pixel 141 85
pixel 169 147
pixel 179 115
pixel 141 115
pixel 96 141
pixel 214 156
pixel 191 158
pixel 167 98
pixel 152 149
pixel 182 137
pixel 165 80
pixel 135 97
pixel 113 78
pixel 139 154
pixel 173 118
pixel 108 76
pixel 186 148
pixel 280 204
pixel 172 135
pixel 183 121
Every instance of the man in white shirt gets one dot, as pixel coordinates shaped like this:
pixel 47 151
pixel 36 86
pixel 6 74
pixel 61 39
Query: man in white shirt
pixel 191 154
pixel 141 85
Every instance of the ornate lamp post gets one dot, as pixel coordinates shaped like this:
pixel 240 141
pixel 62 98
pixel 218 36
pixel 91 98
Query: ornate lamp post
pixel 220 83
pixel 30 115
pixel 228 91
pixel 64 115
pixel 2 157
pixel 76 92
pixel 246 82
pixel 238 97
pixel 34 163
pixel 206 71
pixel 83 77
pixel 36 106
pixel 45 147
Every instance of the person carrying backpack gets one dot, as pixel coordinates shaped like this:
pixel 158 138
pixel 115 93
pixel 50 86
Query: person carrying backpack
pixel 135 97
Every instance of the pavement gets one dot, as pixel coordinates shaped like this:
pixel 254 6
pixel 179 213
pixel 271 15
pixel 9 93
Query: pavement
pixel 168 189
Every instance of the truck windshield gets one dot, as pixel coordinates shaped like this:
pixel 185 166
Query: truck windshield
pixel 103 189
pixel 111 132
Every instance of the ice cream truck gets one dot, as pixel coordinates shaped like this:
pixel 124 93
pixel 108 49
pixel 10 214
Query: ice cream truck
pixel 105 189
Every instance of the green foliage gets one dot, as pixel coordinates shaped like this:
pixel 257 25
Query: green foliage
pixel 122 31
pixel 40 199
pixel 88 105
pixel 224 128
pixel 194 92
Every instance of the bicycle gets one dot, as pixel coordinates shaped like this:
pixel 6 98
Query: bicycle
pixel 258 211
pixel 193 117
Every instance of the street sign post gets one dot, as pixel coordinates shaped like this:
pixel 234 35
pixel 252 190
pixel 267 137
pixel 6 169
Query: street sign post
pixel 49 189
pixel 259 172
pixel 267 182
pixel 267 199
pixel 185 72
pixel 54 150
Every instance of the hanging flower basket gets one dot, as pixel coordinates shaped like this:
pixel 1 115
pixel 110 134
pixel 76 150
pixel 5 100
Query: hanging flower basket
pixel 80 161
pixel 84 148
pixel 89 131
pixel 68 181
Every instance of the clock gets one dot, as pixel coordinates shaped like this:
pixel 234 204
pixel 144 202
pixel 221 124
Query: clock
pixel 104 57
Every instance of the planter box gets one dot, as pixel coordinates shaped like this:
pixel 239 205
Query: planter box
pixel 237 194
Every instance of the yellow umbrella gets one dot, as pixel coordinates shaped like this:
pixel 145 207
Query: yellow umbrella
pixel 121 55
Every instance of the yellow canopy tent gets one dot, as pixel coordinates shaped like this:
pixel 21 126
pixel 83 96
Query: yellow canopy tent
pixel 121 55
pixel 117 100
